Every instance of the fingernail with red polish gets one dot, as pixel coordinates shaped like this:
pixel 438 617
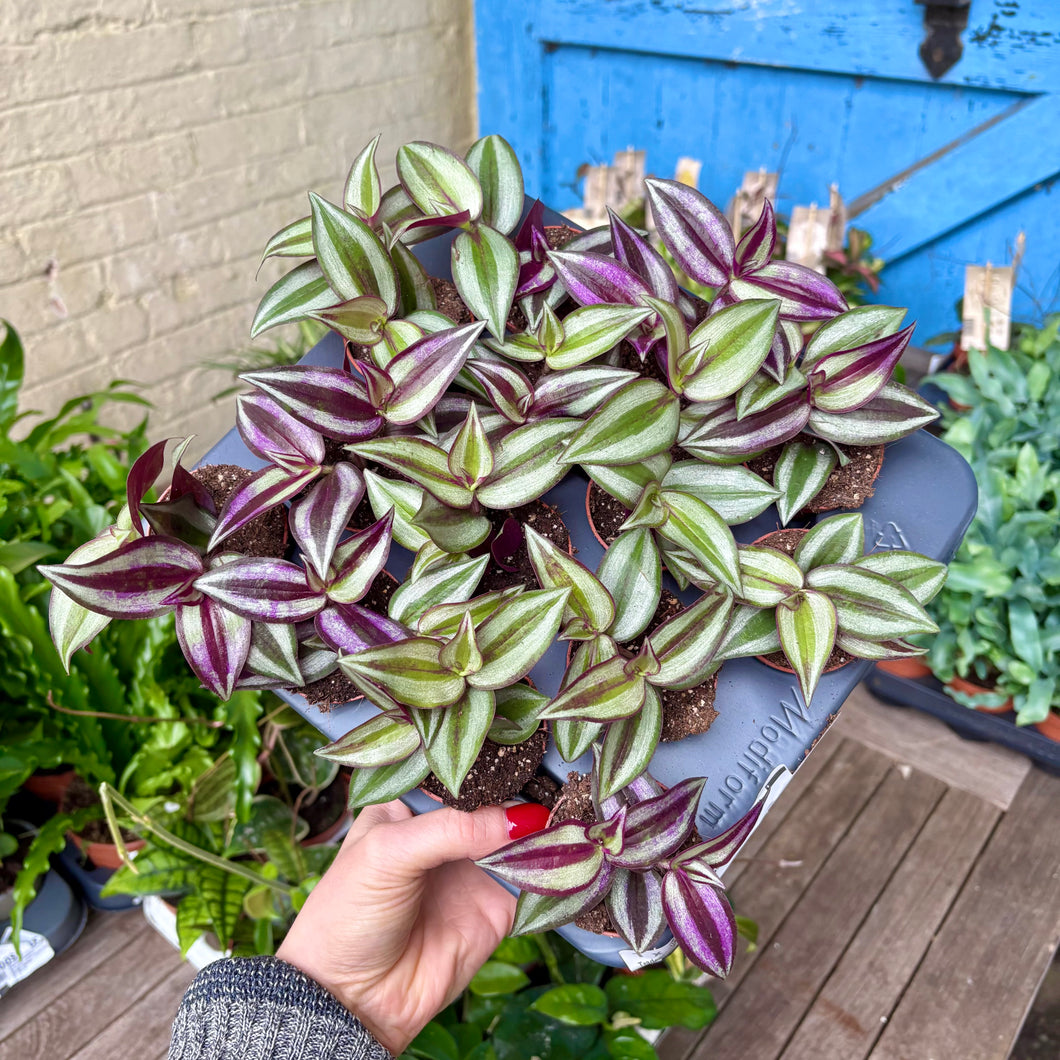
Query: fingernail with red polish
pixel 525 818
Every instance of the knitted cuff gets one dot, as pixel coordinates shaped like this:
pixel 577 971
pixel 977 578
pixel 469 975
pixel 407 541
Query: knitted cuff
pixel 259 1008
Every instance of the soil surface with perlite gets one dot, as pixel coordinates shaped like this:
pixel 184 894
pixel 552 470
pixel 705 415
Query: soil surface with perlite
pixel 266 534
pixel 546 520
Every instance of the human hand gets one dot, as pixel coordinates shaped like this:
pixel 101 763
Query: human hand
pixel 402 920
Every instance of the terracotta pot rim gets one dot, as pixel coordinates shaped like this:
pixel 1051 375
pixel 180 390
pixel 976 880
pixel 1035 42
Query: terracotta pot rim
pixel 970 688
pixel 1050 727
pixel 912 667
pixel 104 855
pixel 788 670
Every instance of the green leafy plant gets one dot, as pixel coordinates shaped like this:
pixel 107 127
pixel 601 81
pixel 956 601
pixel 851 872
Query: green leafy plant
pixel 999 611
pixel 445 435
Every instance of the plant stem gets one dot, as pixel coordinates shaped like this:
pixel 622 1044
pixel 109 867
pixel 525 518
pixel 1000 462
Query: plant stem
pixel 135 719
pixel 549 956
pixel 110 796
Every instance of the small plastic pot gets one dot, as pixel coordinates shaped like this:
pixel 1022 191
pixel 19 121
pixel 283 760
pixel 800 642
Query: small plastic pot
pixel 104 855
pixel 969 688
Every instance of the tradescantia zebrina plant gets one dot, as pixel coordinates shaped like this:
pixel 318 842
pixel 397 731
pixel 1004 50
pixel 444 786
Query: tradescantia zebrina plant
pixel 454 408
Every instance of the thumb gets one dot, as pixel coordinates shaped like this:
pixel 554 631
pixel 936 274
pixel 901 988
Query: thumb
pixel 411 847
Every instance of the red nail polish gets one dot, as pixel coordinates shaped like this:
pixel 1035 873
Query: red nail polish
pixel 525 818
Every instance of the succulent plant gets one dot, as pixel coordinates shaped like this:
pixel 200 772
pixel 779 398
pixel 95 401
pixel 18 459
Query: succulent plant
pixel 436 434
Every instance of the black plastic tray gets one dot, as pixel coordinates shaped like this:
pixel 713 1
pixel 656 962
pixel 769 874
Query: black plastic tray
pixel 924 500
pixel 928 694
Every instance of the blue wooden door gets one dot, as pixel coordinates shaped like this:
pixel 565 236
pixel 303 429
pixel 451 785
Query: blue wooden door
pixel 821 90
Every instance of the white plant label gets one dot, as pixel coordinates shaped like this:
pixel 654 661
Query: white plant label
pixel 635 961
pixel 987 295
pixel 808 236
pixel 36 952
pixel 746 205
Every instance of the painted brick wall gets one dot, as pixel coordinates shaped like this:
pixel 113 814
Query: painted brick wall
pixel 149 148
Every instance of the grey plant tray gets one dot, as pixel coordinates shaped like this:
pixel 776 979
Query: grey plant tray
pixel 925 498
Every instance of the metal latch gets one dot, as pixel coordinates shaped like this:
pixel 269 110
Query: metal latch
pixel 945 21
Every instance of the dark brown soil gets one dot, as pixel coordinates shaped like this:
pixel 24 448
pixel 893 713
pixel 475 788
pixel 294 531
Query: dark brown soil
pixel 606 513
pixel 330 691
pixel 547 521
pixel 542 789
pixel 264 536
pixel 558 236
pixel 689 711
pixel 846 487
pixel 81 794
pixel 326 808
pixel 448 300
pixel 650 368
pixel 499 773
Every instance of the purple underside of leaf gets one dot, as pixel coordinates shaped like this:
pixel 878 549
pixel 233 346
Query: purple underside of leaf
pixel 578 391
pixel 185 484
pixel 261 492
pixel 557 861
pixel 359 559
pixel 275 435
pixel 759 241
pixel 533 221
pixel 445 220
pixel 695 231
pixel 215 642
pixel 142 476
pixel 137 580
pixel 270 590
pixel 657 827
pixel 781 356
pixel 326 399
pixel 720 850
pixel 723 433
pixel 536 274
pixel 808 295
pixel 505 545
pixel 538 912
pixel 319 518
pixel 869 364
pixel 505 385
pixel 702 922
pixel 350 628
pixel 592 279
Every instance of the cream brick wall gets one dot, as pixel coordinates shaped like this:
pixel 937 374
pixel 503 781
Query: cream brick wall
pixel 149 148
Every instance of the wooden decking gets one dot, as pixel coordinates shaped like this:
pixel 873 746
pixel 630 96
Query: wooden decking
pixel 906 888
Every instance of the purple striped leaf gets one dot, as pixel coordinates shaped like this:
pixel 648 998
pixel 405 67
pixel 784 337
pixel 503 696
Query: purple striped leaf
pixel 327 399
pixel 869 604
pixel 685 644
pixel 603 693
pixel 362 191
pixel 411 671
pixel 414 286
pixel 609 833
pixel 637 254
pixel 594 278
pixel 508 390
pixel 702 921
pixel 923 577
pixel 717 852
pixel 496 165
pixel 272 433
pixel 293 296
pixel 359 320
pixel 215 641
pixel 694 230
pixel 578 391
pixel 722 437
pixel 425 369
pixel 485 269
pixel 843 382
pixel 423 462
pixel 850 330
pixel 804 295
pixel 181 518
pixel 591 331
pixel 456 742
pixel 142 578
pixel 269 590
pixel 787 344
pixel 543 912
pixel 806 622
pixel 349 628
pixel 589 601
pixel 318 519
pixel 516 635
pixel 379 741
pixel 263 491
pixel 635 904
pixel 527 463
pixel 629 745
pixel 437 181
pixel 893 413
pixel 758 243
pixel 386 783
pixel 656 828
pixel 534 221
pixel 863 648
pixel 559 861
pixel 274 652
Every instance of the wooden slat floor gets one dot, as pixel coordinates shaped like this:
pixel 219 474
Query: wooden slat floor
pixel 906 889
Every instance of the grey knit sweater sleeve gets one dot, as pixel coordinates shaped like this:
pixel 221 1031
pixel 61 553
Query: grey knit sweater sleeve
pixel 259 1008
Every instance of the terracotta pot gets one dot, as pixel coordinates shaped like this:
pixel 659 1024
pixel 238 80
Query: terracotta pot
pixel 50 786
pixel 1050 727
pixel 969 688
pixel 104 855
pixel 589 513
pixel 788 670
pixel 912 668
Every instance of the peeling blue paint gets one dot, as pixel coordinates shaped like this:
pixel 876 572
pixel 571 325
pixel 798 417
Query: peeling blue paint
pixel 823 90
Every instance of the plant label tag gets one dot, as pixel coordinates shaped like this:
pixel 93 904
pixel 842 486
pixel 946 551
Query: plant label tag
pixel 770 791
pixel 746 204
pixel 36 952
pixel 687 171
pixel 635 961
pixel 808 236
pixel 987 295
pixel 837 220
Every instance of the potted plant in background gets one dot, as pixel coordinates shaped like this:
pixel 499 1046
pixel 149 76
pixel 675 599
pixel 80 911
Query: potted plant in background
pixel 445 437
pixel 998 648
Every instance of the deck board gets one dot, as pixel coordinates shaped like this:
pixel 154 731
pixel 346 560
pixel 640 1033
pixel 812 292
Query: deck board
pixel 970 994
pixel 852 1008
pixel 795 961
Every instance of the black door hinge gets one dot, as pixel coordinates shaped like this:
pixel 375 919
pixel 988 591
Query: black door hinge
pixel 945 21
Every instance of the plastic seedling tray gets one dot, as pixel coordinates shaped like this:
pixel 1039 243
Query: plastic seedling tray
pixel 925 498
pixel 928 694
